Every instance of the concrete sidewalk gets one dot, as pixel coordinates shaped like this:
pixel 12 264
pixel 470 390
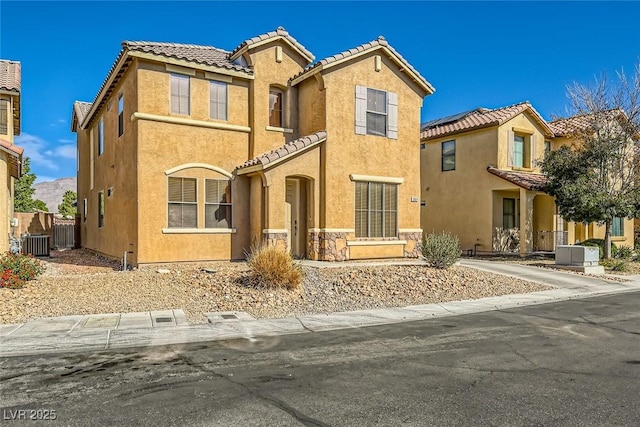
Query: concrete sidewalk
pixel 113 331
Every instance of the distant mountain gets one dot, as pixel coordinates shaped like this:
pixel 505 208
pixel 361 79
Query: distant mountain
pixel 51 192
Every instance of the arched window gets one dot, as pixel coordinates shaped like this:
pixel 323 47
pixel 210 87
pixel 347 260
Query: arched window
pixel 276 107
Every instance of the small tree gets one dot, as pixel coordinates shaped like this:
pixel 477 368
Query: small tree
pixel 39 205
pixel 23 189
pixel 595 180
pixel 66 208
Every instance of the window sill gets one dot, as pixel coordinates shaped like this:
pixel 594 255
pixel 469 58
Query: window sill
pixel 199 231
pixel 518 168
pixel 618 238
pixel 376 242
pixel 277 129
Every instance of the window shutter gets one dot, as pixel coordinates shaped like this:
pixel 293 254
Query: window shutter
pixel 534 151
pixel 510 148
pixel 392 117
pixel 361 110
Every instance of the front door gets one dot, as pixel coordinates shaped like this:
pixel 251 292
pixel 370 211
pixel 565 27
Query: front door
pixel 294 218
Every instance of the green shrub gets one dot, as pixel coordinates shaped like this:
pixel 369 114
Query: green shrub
pixel 615 264
pixel 622 252
pixel 441 250
pixel 274 268
pixel 600 244
pixel 25 267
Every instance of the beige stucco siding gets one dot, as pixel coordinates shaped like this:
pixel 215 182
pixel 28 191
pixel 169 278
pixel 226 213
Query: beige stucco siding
pixel 115 168
pixel 312 108
pixel 460 201
pixel 270 73
pixel 160 151
pixel 346 153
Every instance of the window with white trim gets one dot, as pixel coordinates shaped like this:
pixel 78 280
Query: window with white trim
pixel 183 203
pixel 218 100
pixel 376 209
pixel 376 112
pixel 522 150
pixel 180 94
pixel 217 203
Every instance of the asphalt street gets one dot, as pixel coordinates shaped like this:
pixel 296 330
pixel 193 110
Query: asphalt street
pixel 572 363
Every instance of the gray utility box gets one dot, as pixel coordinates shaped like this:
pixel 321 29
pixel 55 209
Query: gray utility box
pixel 584 256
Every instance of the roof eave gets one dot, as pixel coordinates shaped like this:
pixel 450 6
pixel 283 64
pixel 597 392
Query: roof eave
pixel 248 47
pixel 191 64
pixel 402 64
pixel 265 166
pixel 459 131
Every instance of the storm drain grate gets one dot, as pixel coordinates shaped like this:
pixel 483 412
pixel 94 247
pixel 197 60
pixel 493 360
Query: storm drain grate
pixel 228 316
pixel 164 320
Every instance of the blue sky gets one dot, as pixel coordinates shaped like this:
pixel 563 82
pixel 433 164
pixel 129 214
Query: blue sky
pixel 475 54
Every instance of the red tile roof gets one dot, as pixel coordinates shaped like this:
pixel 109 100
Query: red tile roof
pixel 15 157
pixel 574 125
pixel 285 150
pixel 10 75
pixel 280 32
pixel 380 42
pixel 526 180
pixel 478 118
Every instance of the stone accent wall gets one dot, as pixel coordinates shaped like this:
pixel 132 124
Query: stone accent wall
pixel 278 240
pixel 328 246
pixel 412 248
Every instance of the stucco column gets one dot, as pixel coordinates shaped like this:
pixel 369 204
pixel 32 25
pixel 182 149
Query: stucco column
pixel 526 221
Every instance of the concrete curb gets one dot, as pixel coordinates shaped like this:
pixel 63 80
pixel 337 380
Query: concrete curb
pixel 119 331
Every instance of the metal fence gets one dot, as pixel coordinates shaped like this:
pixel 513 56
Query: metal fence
pixel 547 241
pixel 63 235
pixel 36 245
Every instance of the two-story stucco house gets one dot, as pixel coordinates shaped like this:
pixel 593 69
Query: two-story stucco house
pixel 10 154
pixel 481 181
pixel 194 153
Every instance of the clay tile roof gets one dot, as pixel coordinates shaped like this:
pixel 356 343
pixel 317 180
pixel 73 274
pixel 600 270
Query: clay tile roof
pixel 280 32
pixel 374 44
pixel 79 113
pixel 526 180
pixel 571 125
pixel 285 150
pixel 207 55
pixel 15 158
pixel 10 75
pixel 478 118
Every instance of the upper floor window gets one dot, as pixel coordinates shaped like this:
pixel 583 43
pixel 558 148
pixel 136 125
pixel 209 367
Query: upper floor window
pixel 217 203
pixel 449 155
pixel 4 117
pixel 522 151
pixel 100 136
pixel 218 100
pixel 183 203
pixel 617 226
pixel 276 103
pixel 120 115
pixel 547 146
pixel 376 209
pixel 180 94
pixel 376 112
pixel 518 151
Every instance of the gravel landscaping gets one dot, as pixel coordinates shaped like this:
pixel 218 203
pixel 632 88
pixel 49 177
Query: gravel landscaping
pixel 77 282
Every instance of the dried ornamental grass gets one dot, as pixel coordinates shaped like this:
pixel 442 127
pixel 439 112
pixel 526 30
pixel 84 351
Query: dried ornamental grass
pixel 274 268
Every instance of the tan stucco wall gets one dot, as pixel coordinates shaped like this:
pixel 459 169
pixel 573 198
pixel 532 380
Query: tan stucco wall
pixel 346 153
pixel 461 201
pixel 6 200
pixel 114 168
pixel 269 73
pixel 312 107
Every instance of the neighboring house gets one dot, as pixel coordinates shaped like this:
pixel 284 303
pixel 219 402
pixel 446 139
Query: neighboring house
pixel 10 154
pixel 480 173
pixel 194 153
